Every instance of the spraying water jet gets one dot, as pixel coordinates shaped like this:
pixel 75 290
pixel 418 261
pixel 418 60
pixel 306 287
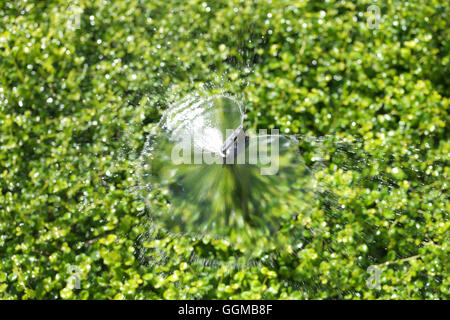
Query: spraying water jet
pixel 226 182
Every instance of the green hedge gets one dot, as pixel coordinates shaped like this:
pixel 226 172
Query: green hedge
pixel 78 96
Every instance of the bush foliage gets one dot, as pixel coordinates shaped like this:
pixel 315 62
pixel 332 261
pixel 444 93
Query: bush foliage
pixel 80 78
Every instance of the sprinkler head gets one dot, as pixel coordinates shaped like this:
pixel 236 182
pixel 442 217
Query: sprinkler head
pixel 230 146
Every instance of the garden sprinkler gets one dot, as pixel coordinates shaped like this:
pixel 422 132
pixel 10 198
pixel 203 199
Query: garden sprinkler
pixel 230 146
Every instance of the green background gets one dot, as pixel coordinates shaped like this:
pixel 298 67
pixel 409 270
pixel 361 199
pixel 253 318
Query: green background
pixel 80 92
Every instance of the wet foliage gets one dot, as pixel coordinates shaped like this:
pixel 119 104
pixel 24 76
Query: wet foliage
pixel 83 83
